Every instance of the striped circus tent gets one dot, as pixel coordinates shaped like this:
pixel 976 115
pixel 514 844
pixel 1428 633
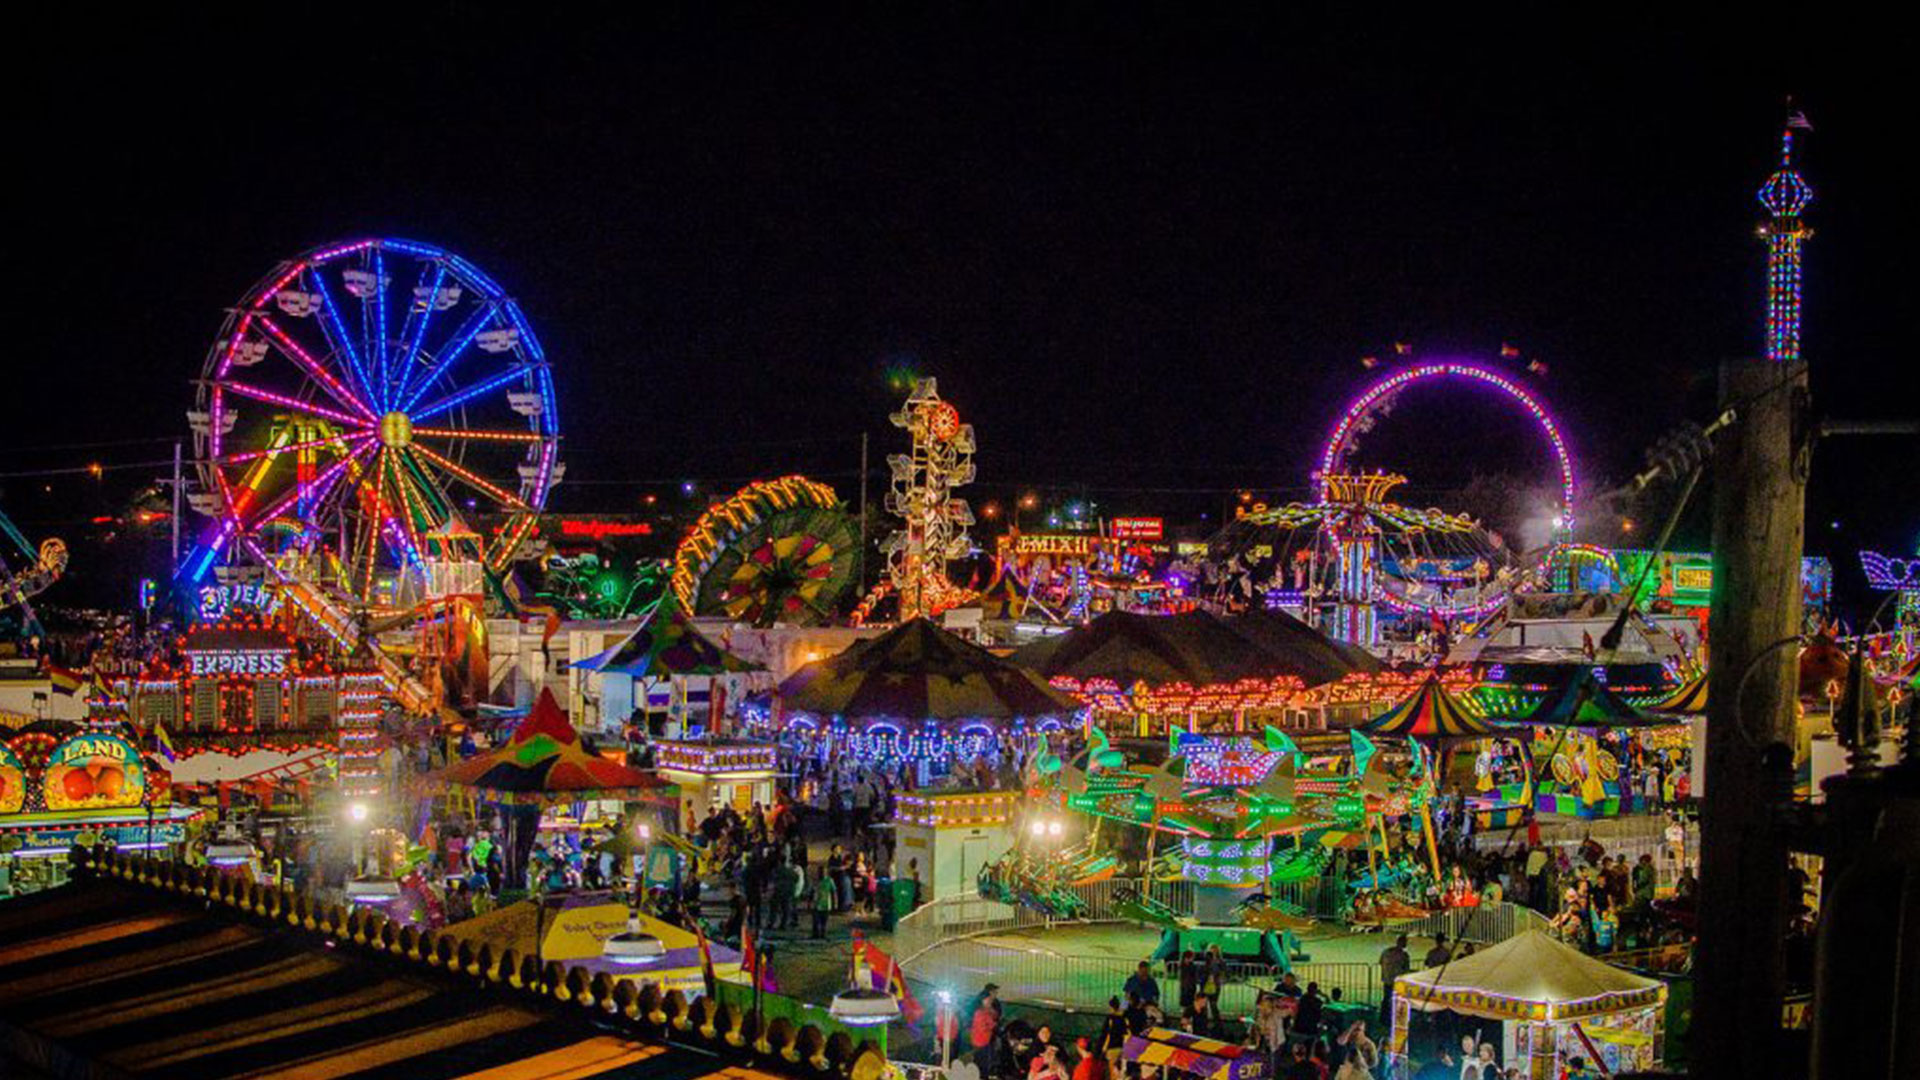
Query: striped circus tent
pixel 106 979
pixel 1430 713
pixel 543 763
pixel 1688 699
pixel 917 671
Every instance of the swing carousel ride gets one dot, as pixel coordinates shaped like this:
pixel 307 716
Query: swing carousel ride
pixel 1237 816
pixel 1354 557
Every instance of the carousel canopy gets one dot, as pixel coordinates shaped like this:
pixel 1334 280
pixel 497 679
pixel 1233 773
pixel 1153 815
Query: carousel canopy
pixel 1195 648
pixel 1532 976
pixel 666 644
pixel 1581 701
pixel 919 671
pixel 543 763
pixel 1316 657
pixel 1688 699
pixel 1432 712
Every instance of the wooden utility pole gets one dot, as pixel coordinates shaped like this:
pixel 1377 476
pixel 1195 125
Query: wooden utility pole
pixel 1759 523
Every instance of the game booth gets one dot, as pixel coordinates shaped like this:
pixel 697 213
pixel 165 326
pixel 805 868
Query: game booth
pixel 88 787
pixel 1538 1001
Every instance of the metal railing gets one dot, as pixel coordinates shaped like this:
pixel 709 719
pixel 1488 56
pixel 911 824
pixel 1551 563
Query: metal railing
pixel 1487 924
pixel 1029 972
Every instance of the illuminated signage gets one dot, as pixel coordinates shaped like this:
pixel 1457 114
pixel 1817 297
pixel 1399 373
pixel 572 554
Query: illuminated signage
pixel 89 771
pixel 1139 528
pixel 216 601
pixel 240 662
pixel 1053 544
pixel 600 530
pixel 1695 578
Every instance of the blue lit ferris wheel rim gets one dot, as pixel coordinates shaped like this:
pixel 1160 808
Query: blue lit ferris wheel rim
pixel 413 369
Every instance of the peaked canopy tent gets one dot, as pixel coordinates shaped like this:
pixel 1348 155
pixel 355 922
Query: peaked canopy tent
pixel 1430 713
pixel 666 666
pixel 542 765
pixel 916 694
pixel 1145 674
pixel 1554 1001
pixel 1584 778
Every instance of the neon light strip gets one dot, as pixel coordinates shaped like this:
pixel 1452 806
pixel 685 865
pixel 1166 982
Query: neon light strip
pixel 504 497
pixel 339 338
pixel 472 392
pixel 408 358
pixel 488 436
pixel 379 345
pixel 1332 458
pixel 251 455
pixel 312 367
pixel 246 390
pixel 461 339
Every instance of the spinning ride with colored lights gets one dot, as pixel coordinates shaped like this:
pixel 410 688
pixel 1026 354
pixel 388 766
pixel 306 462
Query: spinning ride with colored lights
pixel 777 551
pixel 360 398
pixel 1351 553
pixel 1247 814
pixel 358 403
pixel 934 521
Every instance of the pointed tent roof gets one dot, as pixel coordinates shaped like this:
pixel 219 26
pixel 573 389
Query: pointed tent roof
pixel 543 762
pixel 1319 658
pixel 1429 712
pixel 1688 699
pixel 1194 648
pixel 1581 701
pixel 919 671
pixel 665 644
pixel 1531 976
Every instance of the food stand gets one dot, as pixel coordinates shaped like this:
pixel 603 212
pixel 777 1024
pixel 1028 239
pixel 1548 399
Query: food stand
pixel 91 787
pixel 1551 1001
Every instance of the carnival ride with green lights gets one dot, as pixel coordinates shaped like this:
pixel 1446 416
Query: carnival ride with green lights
pixel 1248 815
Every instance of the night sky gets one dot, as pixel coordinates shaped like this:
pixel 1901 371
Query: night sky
pixel 1143 254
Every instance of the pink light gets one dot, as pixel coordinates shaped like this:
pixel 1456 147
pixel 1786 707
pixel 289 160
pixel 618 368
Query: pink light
pixel 1332 458
pixel 310 365
pixel 269 292
pixel 271 398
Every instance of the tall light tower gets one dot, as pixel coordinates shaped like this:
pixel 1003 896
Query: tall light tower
pixel 1785 195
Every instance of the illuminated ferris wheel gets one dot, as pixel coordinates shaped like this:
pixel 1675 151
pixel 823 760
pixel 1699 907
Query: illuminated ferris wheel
pixel 360 404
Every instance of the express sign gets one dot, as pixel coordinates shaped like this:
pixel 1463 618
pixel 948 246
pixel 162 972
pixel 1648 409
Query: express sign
pixel 240 662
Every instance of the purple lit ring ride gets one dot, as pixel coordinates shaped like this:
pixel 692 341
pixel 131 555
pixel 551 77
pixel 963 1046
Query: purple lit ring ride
pixel 1364 409
pixel 377 393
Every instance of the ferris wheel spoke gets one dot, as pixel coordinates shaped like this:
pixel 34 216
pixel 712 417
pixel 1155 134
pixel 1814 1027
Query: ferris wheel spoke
pixel 315 493
pixel 352 423
pixel 461 339
pixel 488 385
pixel 403 367
pixel 305 361
pixel 337 336
pixel 498 494
pixel 483 436
pixel 310 444
pixel 377 333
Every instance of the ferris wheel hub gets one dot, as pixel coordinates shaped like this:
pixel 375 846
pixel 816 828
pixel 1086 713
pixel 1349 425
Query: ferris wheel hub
pixel 396 430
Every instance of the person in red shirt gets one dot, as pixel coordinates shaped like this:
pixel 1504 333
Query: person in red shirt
pixel 1091 1067
pixel 983 1028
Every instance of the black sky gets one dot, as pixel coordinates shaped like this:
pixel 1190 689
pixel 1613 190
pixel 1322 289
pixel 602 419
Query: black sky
pixel 1142 249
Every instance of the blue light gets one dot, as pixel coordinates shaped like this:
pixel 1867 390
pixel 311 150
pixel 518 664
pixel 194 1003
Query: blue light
pixel 420 331
pixel 379 348
pixel 474 324
pixel 344 343
pixel 470 393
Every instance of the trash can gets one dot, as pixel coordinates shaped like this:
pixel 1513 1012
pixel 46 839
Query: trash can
pixel 899 896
